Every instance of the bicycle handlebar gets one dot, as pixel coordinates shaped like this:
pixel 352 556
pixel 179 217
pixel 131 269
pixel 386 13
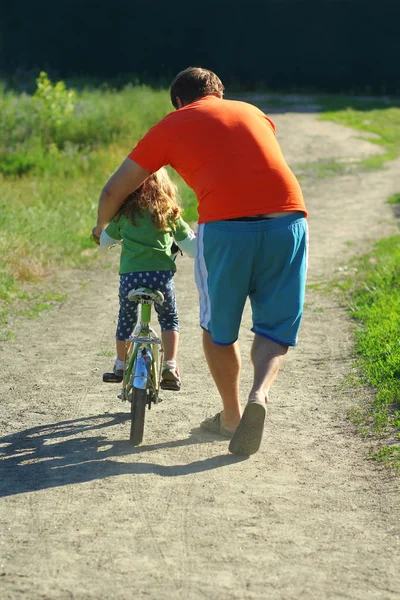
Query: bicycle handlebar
pixel 175 250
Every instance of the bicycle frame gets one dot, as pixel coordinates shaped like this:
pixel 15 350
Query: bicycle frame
pixel 144 349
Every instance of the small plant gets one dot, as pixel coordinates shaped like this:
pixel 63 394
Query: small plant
pixel 54 104
pixel 394 199
pixel 107 353
pixel 389 456
pixel 30 125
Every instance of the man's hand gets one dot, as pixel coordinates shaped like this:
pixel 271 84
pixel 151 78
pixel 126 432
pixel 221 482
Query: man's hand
pixel 126 179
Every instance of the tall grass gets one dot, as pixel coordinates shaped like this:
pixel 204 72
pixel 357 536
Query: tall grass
pixel 56 153
pixel 38 129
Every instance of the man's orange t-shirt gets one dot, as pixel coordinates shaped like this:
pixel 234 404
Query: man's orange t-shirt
pixel 227 152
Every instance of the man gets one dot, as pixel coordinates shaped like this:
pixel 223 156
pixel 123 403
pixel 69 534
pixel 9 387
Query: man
pixel 252 236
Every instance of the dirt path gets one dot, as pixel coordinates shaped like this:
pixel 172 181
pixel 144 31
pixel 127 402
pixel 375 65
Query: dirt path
pixel 85 516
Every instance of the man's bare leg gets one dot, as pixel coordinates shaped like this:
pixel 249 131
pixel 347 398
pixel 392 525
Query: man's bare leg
pixel 224 364
pixel 267 357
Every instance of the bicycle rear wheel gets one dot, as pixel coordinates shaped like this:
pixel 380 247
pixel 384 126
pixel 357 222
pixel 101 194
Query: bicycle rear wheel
pixel 138 411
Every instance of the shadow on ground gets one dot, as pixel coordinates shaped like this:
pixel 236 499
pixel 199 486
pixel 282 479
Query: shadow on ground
pixel 59 454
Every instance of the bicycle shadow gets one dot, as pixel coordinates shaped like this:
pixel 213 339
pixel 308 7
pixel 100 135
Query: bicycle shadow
pixel 62 453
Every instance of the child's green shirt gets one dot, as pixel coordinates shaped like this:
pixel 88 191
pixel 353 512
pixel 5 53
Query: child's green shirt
pixel 143 247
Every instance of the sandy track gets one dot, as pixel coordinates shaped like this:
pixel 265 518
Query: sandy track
pixel 83 515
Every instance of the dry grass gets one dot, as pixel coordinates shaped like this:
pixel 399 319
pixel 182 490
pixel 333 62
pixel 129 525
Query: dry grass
pixel 24 267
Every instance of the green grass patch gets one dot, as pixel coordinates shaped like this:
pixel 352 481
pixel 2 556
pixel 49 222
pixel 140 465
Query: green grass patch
pixel 394 199
pixel 389 456
pixel 365 103
pixel 374 302
pixel 381 118
pixel 377 116
pixel 323 168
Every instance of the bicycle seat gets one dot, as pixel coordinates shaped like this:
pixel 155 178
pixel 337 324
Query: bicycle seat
pixel 146 294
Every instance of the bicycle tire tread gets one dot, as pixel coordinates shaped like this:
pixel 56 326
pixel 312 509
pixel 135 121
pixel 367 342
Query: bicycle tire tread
pixel 138 411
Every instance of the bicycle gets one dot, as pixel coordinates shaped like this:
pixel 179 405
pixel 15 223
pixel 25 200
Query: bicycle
pixel 143 362
pixel 143 358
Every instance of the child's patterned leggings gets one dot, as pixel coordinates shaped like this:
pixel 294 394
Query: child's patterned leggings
pixel 128 311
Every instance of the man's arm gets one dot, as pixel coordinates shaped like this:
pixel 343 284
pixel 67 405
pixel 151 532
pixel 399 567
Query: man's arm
pixel 123 182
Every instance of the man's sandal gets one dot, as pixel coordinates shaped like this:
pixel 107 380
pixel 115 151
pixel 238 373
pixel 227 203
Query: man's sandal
pixel 214 425
pixel 249 433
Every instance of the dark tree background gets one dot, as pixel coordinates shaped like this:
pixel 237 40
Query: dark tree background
pixel 327 45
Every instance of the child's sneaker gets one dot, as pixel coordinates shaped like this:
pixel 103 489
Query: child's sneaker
pixel 170 379
pixel 118 373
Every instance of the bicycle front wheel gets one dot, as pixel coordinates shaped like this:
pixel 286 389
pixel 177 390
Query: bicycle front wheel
pixel 138 411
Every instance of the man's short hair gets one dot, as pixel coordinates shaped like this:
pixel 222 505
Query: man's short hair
pixel 194 83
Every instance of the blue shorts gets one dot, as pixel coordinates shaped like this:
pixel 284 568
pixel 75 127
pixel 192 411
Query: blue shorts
pixel 128 310
pixel 265 260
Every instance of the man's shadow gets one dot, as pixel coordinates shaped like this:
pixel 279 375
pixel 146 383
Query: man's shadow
pixel 60 453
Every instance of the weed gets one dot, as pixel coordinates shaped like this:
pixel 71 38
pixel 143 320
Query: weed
pixel 389 456
pixel 107 353
pixel 394 199
pixel 7 335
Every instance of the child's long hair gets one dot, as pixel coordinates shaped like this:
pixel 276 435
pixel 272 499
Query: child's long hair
pixel 157 195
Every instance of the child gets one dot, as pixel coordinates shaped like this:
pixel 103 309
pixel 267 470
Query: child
pixel 148 223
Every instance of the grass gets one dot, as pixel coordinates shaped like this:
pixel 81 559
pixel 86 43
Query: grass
pixel 40 131
pixel 394 199
pixel 322 168
pixel 107 353
pixel 374 303
pixel 57 149
pixel 380 117
pixel 374 296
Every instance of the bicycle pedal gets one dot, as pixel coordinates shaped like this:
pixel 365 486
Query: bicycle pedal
pixel 112 378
